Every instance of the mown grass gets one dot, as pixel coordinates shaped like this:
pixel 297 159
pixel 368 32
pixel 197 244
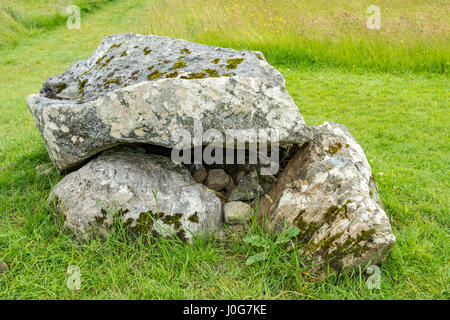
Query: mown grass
pixel 22 19
pixel 399 118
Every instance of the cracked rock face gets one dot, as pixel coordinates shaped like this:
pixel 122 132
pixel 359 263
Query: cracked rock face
pixel 144 192
pixel 328 192
pixel 145 89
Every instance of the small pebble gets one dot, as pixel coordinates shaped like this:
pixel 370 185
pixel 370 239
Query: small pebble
pixel 230 185
pixel 237 212
pixel 199 173
pixel 3 267
pixel 217 179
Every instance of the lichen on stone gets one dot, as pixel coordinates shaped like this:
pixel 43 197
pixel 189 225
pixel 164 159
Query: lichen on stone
pixel 193 218
pixel 211 72
pixel 233 63
pixel 81 85
pixel 197 75
pixel 113 81
pixel 185 51
pixel 172 74
pixel 117 45
pixel 60 87
pixel 332 212
pixel 154 75
pixel 332 149
pixel 173 220
pixel 106 62
pixel 99 60
pixel 179 64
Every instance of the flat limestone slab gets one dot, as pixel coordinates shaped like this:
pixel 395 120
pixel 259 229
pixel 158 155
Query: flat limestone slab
pixel 145 89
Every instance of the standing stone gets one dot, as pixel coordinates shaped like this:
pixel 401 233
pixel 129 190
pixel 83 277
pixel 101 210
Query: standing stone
pixel 145 192
pixel 328 192
pixel 157 90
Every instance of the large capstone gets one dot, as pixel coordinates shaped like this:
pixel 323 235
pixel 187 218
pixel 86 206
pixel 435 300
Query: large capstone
pixel 329 193
pixel 143 192
pixel 158 90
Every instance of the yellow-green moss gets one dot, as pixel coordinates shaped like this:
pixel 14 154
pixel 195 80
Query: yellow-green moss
pixel 174 220
pixel 179 64
pixel 123 53
pixel 215 61
pixel 193 218
pixel 185 51
pixel 106 62
pixel 211 72
pixel 233 63
pixel 333 211
pixel 227 74
pixel 307 230
pixel 60 87
pixel 172 75
pixel 81 85
pixel 100 60
pixel 146 51
pixel 113 80
pixel 117 45
pixel 198 75
pixel 334 148
pixel 154 75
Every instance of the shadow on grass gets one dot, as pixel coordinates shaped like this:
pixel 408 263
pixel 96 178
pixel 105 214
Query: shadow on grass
pixel 22 173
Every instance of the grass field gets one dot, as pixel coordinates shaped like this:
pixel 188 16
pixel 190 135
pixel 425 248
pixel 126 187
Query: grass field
pixel 390 87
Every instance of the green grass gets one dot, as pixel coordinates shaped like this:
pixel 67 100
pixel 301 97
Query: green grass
pixel 399 118
pixel 23 19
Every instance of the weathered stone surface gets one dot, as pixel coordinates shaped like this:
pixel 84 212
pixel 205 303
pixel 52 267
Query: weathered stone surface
pixel 113 98
pixel 199 173
pixel 217 179
pixel 143 191
pixel 247 188
pixel 328 191
pixel 230 186
pixel 126 59
pixel 236 212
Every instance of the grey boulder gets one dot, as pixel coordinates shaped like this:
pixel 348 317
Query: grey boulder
pixel 156 90
pixel 143 192
pixel 329 193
